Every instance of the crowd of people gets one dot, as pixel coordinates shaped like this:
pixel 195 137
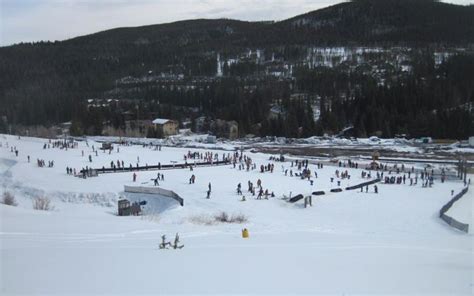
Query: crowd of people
pixel 388 173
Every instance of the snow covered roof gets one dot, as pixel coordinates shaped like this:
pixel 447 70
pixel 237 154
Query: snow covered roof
pixel 161 121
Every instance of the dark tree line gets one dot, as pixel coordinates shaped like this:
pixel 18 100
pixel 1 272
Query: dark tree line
pixel 46 83
pixel 434 102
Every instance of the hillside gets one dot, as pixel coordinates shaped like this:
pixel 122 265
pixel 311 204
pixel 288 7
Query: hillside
pixel 49 82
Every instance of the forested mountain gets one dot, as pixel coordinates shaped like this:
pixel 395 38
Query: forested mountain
pixel 383 66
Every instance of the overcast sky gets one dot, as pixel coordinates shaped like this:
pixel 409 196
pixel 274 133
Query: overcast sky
pixel 35 20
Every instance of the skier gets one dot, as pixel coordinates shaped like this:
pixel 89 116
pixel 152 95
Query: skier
pixel 134 177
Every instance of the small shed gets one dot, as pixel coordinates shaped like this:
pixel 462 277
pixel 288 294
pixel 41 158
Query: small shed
pixel 211 139
pixel 127 209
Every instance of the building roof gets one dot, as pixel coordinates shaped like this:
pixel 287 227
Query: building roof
pixel 161 121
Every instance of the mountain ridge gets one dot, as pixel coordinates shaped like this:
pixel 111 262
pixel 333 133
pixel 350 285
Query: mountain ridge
pixel 384 20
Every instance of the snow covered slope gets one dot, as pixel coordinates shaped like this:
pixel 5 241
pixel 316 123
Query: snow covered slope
pixel 347 243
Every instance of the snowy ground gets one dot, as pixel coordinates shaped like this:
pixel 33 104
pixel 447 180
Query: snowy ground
pixel 347 243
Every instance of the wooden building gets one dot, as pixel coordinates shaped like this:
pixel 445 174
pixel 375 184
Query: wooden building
pixel 167 127
pixel 127 209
